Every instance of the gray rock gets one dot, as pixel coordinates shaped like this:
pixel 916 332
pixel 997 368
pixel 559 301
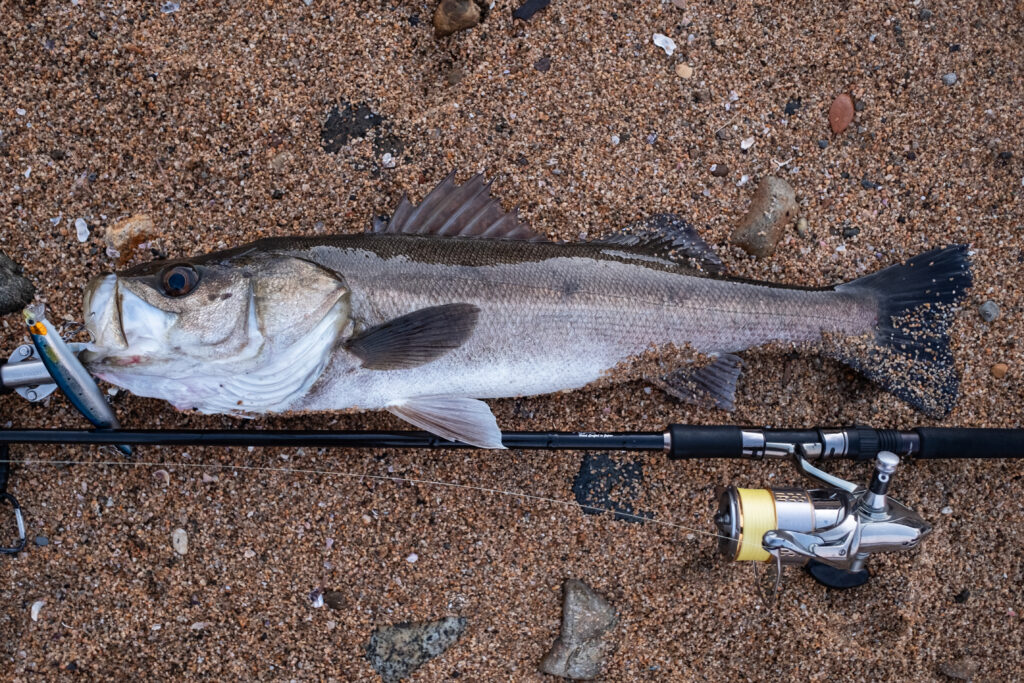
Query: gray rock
pixel 963 669
pixel 15 291
pixel 585 642
pixel 772 208
pixel 949 79
pixel 989 311
pixel 396 651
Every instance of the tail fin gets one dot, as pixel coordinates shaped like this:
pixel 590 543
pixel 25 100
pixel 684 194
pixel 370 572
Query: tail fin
pixel 910 356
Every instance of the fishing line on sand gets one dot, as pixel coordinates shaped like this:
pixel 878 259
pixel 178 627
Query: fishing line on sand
pixel 357 475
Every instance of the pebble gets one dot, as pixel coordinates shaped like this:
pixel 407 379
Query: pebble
pixel 925 14
pixel 946 510
pixel 999 370
pixel 585 641
pixel 388 160
pixel 279 163
pixel 37 606
pixel 840 114
pixel 823 144
pixel 367 520
pixel 81 229
pixel 396 651
pixel 949 79
pixel 771 209
pixel 162 477
pixel 719 170
pixel 684 70
pixel 334 599
pixel 42 541
pixel 179 541
pixel 528 9
pixel 747 143
pixel 792 106
pixel 851 232
pixel 963 669
pixel 452 16
pixel 411 559
pixel 869 184
pixel 989 311
pixel 249 554
pixel 543 64
pixel 801 227
pixel 665 43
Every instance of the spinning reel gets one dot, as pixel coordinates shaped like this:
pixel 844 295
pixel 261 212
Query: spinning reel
pixel 831 531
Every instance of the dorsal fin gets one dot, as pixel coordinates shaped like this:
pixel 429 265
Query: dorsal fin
pixel 667 235
pixel 451 210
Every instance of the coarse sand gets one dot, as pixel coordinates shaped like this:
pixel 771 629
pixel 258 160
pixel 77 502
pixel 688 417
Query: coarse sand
pixel 210 120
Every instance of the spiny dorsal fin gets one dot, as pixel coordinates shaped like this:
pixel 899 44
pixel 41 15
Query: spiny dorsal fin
pixel 451 210
pixel 668 235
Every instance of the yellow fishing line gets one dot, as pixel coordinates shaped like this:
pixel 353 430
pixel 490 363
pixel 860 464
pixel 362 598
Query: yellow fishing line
pixel 757 510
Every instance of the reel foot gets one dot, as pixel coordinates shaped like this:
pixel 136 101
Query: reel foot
pixel 832 577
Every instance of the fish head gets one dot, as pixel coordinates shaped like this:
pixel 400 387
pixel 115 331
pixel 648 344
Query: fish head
pixel 206 318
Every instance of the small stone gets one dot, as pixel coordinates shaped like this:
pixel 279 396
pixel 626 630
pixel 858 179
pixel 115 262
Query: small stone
pixel 388 160
pixel 851 232
pixel 543 64
pixel 801 227
pixel 989 311
pixel 999 370
pixel 946 510
pixel 81 229
pixel 615 140
pixel 585 642
pixel 665 43
pixel 42 541
pixel 724 134
pixel 367 520
pixel 210 478
pixel 279 163
pixel 396 651
pixel 961 597
pixel 822 144
pixel 963 669
pixel 840 114
pixel 949 79
pixel 127 234
pixel 455 76
pixel 334 599
pixel 249 554
pixel 455 15
pixel 719 170
pixel 858 106
pixel 771 209
pixel 412 557
pixel 684 70
pixel 179 541
pixel 792 106
pixel 162 477
pixel 528 9
pixel 15 291
pixel 1004 156
pixel 869 184
pixel 925 14
pixel 747 143
pixel 37 607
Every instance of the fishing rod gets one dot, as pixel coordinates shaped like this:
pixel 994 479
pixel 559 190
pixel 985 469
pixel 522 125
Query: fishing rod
pixel 831 530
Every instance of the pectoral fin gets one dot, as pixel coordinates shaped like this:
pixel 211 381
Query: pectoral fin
pixel 714 383
pixel 415 338
pixel 457 419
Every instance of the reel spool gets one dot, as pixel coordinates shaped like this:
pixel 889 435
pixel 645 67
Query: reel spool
pixel 830 531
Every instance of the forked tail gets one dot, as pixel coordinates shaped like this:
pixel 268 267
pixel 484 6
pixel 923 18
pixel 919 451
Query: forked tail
pixel 910 355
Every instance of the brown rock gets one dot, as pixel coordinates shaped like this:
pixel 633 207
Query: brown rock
pixel 455 15
pixel 584 642
pixel 999 370
pixel 840 114
pixel 772 208
pixel 719 170
pixel 127 234
pixel 963 669
pixel 334 599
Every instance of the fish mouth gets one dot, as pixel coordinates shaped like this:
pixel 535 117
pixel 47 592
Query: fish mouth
pixel 102 312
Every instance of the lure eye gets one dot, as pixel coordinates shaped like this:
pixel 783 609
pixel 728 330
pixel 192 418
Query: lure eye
pixel 179 280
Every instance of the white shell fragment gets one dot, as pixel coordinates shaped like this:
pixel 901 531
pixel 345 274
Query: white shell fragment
pixel 747 143
pixel 665 43
pixel 179 541
pixel 36 607
pixel 81 229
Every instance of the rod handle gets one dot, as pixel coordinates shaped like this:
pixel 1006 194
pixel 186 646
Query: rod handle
pixel 698 441
pixel 962 442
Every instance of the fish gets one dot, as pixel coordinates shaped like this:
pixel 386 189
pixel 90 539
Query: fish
pixel 70 375
pixel 455 300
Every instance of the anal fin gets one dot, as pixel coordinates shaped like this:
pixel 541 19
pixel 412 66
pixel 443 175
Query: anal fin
pixel 713 384
pixel 455 418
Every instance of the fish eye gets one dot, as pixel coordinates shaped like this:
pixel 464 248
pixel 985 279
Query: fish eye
pixel 179 280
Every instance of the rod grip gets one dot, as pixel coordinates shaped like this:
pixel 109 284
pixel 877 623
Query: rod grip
pixel 962 442
pixel 696 441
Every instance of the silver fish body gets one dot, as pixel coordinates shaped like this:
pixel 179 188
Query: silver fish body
pixel 423 323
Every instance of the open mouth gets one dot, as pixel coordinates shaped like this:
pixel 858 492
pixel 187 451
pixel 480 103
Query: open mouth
pixel 101 310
